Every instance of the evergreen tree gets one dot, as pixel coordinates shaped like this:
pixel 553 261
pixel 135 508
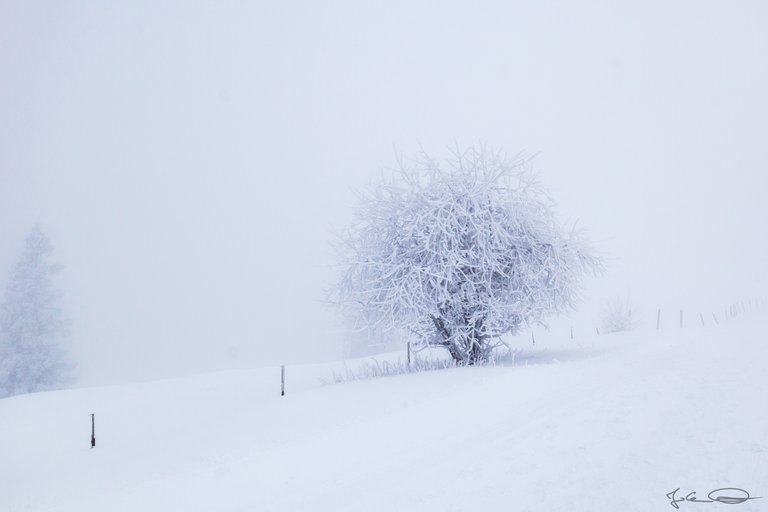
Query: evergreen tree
pixel 32 327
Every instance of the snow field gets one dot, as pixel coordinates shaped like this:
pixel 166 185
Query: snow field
pixel 612 423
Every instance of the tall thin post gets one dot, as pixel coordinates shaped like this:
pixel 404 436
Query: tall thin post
pixel 571 332
pixel 93 430
pixel 409 354
pixel 533 339
pixel 658 319
pixel 282 380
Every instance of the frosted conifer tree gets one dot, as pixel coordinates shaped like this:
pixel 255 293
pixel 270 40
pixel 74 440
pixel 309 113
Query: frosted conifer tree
pixel 31 323
pixel 461 254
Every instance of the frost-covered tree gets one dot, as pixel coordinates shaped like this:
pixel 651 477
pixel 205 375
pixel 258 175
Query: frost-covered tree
pixel 458 255
pixel 31 323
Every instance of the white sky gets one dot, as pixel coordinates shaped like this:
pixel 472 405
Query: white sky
pixel 191 160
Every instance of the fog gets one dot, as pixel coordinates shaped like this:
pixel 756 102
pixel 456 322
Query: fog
pixel 191 162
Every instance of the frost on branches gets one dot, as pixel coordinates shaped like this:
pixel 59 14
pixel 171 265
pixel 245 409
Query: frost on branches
pixel 459 255
pixel 31 324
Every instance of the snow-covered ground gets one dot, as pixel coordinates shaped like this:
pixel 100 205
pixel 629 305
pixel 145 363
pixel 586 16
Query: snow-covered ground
pixel 606 423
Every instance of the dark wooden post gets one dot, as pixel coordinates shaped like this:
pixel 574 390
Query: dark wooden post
pixel 282 380
pixel 93 430
pixel 409 354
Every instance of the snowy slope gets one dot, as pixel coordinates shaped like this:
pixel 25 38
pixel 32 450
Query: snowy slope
pixel 607 423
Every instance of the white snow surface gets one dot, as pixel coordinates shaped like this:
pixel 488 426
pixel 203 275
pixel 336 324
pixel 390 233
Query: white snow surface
pixel 603 423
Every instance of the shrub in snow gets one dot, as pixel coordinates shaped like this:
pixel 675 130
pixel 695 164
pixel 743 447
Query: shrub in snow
pixel 373 368
pixel 31 324
pixel 616 316
pixel 458 255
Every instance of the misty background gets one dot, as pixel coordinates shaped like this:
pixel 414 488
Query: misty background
pixel 192 161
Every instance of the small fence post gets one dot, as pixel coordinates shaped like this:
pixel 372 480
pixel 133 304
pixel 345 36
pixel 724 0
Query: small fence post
pixel 533 339
pixel 93 430
pixel 282 380
pixel 409 354
pixel 571 332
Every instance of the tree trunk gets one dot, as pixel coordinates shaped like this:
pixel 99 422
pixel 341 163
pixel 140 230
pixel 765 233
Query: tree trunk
pixel 472 352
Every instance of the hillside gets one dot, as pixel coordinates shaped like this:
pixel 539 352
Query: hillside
pixel 606 423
